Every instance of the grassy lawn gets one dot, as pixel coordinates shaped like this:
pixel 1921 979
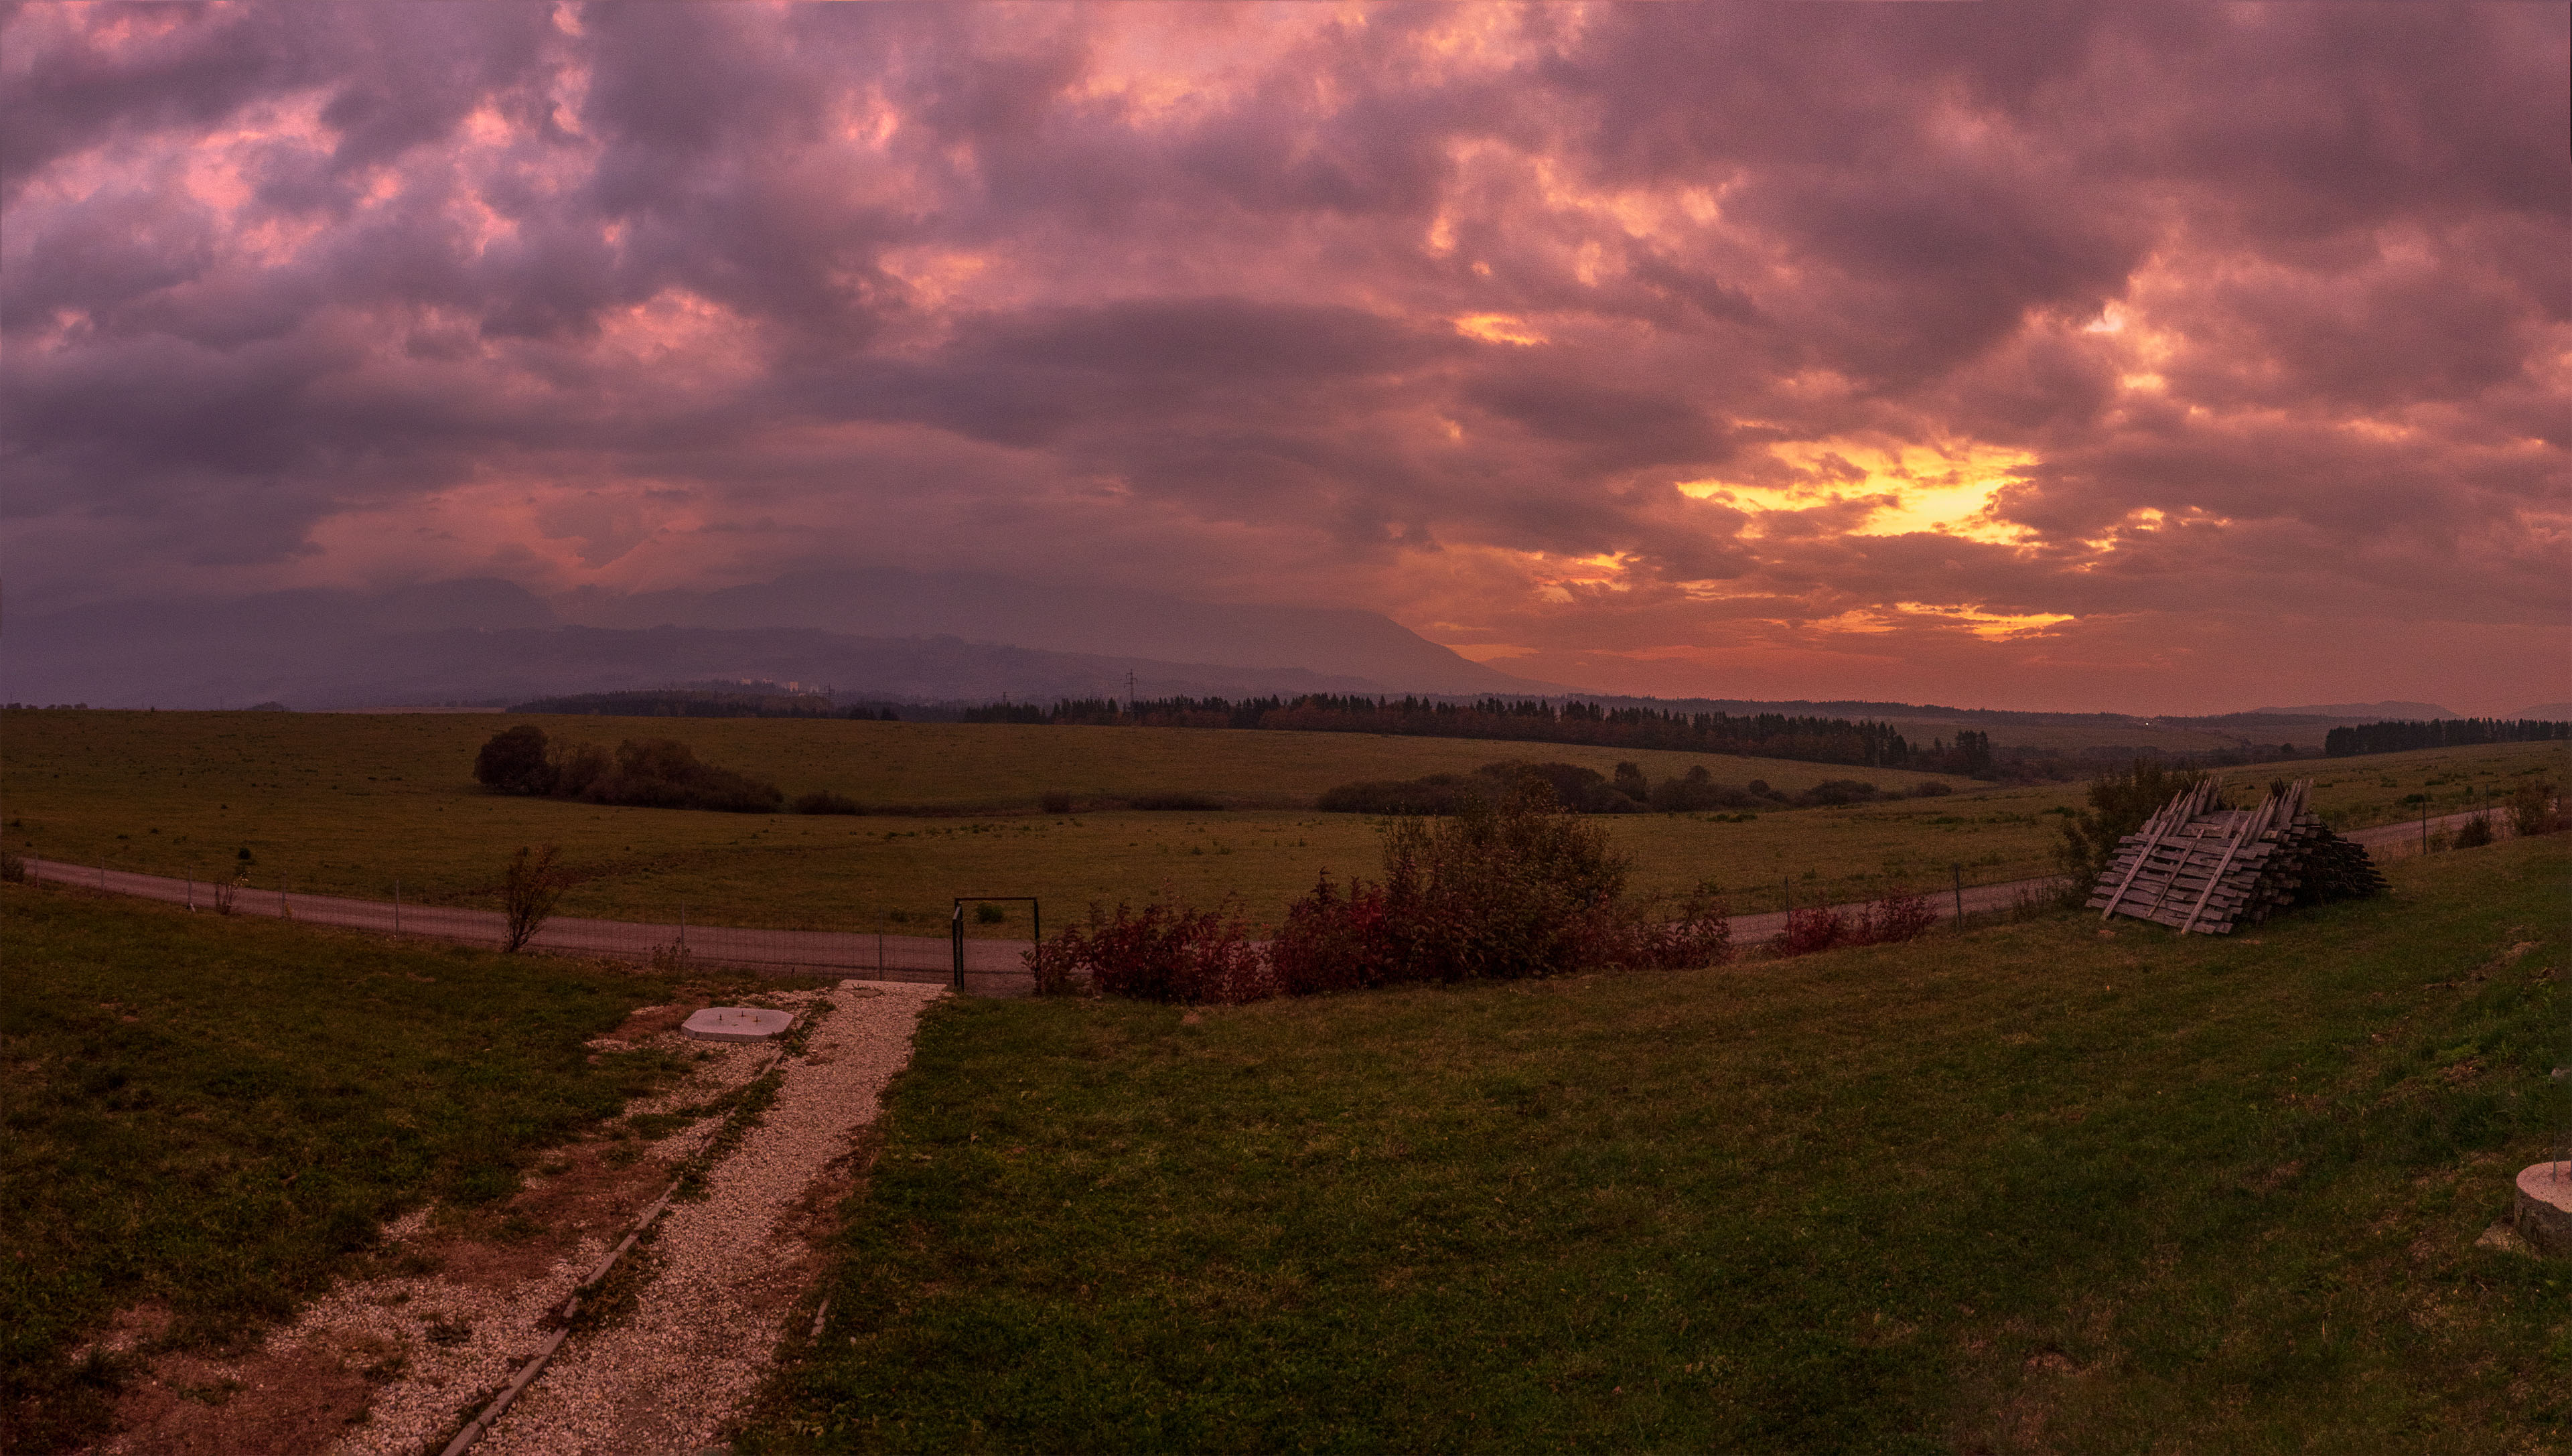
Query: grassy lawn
pixel 213 1114
pixel 2032 1188
pixel 350 803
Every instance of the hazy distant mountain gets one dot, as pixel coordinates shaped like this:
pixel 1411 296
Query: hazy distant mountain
pixel 321 649
pixel 1103 620
pixel 2365 712
pixel 887 634
pixel 2551 712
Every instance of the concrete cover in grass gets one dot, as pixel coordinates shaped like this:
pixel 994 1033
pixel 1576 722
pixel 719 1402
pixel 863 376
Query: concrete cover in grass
pixel 737 1023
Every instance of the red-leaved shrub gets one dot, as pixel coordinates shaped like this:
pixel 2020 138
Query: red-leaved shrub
pixel 1701 936
pixel 1162 953
pixel 1807 930
pixel 1334 940
pixel 1896 915
pixel 1498 892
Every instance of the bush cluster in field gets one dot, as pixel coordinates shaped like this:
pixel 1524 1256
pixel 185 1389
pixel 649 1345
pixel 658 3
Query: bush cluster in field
pixel 644 773
pixel 1587 791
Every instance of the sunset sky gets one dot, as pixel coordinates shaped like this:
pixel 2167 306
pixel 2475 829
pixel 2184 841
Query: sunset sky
pixel 2145 356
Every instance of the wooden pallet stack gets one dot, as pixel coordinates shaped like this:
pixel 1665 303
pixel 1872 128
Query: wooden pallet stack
pixel 2200 868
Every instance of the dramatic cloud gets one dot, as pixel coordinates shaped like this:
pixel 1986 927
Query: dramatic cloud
pixel 2148 357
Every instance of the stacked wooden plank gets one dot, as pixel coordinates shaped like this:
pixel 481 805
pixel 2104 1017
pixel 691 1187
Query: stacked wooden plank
pixel 2201 868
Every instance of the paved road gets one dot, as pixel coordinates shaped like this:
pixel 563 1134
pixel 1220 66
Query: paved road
pixel 992 966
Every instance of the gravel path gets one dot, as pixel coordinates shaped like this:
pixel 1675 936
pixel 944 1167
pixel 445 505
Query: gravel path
pixel 726 1272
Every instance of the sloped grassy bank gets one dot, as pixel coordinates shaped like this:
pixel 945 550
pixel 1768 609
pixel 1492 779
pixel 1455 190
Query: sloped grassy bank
pixel 212 1115
pixel 2027 1188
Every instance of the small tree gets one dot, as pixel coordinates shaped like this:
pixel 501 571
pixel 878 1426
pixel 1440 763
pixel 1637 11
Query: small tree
pixel 529 890
pixel 2119 805
pixel 2531 808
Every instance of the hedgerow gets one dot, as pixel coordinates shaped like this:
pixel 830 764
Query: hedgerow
pixel 1504 889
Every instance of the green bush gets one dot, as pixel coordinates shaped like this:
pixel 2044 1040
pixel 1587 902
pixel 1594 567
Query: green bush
pixel 514 762
pixel 649 773
pixel 2119 805
pixel 1436 795
pixel 1581 790
pixel 1697 792
pixel 2531 809
pixel 1837 791
pixel 1630 781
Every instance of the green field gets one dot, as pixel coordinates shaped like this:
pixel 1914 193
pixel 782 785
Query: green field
pixel 213 1116
pixel 2036 1189
pixel 350 803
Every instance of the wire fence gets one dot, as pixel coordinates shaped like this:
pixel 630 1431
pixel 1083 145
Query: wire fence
pixel 990 967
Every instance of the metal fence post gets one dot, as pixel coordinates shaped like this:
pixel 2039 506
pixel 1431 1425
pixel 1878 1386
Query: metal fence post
pixel 1960 897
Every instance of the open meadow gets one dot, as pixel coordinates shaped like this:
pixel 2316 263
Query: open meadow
pixel 350 803
pixel 2036 1187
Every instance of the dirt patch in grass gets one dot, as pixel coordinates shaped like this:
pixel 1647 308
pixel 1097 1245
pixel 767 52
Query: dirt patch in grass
pixel 550 1219
pixel 444 1295
pixel 282 1403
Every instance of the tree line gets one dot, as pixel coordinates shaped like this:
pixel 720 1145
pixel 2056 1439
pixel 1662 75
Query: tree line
pixel 2396 735
pixel 1859 743
pixel 701 703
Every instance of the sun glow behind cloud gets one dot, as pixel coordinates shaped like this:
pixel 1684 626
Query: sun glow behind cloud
pixel 1499 328
pixel 1947 488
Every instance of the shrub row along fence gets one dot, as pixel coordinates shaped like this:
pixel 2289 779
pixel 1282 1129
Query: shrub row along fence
pixel 992 966
pixel 1502 890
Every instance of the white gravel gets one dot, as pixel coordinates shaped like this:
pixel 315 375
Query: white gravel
pixel 726 1275
pixel 444 1344
pixel 397 1316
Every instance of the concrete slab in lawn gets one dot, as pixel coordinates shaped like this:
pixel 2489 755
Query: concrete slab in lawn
pixel 737 1023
